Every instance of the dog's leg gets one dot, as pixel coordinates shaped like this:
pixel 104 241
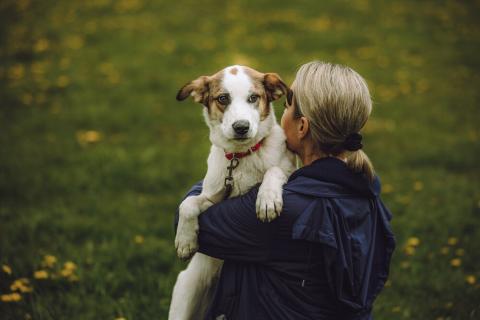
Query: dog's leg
pixel 194 288
pixel 269 199
pixel 186 238
pixel 189 210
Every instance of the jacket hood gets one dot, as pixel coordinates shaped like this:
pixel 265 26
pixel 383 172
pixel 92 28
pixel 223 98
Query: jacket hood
pixel 330 177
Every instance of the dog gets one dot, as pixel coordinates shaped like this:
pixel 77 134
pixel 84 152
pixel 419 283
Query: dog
pixel 248 147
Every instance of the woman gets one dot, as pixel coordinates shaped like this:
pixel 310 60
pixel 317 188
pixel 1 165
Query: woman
pixel 327 256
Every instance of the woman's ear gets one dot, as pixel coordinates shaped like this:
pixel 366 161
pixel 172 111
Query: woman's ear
pixel 303 125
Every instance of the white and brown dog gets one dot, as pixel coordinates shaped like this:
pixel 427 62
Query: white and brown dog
pixel 248 147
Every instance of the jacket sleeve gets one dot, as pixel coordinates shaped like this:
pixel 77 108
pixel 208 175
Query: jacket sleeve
pixel 357 245
pixel 230 229
pixel 358 268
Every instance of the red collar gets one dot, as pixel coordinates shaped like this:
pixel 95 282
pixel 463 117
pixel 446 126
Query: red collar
pixel 238 155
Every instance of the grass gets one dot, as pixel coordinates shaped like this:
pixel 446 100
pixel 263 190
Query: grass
pixel 95 153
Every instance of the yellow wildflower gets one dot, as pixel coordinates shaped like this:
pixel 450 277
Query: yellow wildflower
pixel 21 285
pixel 445 250
pixel 49 261
pixel 387 188
pixel 26 289
pixel 471 279
pixel 139 239
pixel 409 251
pixel 41 45
pixel 89 136
pixel 452 241
pixel 17 284
pixel 16 72
pixel 68 269
pixel 413 242
pixel 63 81
pixel 403 199
pixel 66 273
pixel 12 297
pixel 6 269
pixel 74 42
pixel 396 309
pixel 418 186
pixel 69 265
pixel 5 298
pixel 456 262
pixel 40 274
pixel 15 297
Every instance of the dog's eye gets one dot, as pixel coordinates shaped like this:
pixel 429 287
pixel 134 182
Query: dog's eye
pixel 223 99
pixel 253 98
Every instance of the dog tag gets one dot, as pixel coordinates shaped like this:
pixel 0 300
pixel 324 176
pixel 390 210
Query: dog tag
pixel 229 178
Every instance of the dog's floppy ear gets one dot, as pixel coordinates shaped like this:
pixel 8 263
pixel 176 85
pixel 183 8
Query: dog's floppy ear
pixel 197 88
pixel 275 87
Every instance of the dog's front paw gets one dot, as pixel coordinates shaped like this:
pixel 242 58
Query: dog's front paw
pixel 269 203
pixel 186 240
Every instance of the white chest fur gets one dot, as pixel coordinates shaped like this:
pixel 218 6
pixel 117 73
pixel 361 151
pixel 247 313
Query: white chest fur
pixel 251 169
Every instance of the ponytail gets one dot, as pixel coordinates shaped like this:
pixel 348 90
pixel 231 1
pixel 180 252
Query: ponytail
pixel 358 161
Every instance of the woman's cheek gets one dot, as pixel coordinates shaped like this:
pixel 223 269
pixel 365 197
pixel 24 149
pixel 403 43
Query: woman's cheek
pixel 282 119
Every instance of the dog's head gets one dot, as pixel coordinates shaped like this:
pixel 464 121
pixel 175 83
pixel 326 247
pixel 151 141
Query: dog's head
pixel 237 104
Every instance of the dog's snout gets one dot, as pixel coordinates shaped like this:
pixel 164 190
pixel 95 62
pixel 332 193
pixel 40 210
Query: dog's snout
pixel 241 127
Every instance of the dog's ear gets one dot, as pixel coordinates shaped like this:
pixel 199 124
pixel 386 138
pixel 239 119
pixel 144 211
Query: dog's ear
pixel 197 88
pixel 275 87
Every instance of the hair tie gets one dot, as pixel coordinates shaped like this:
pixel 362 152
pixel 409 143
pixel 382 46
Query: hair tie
pixel 353 142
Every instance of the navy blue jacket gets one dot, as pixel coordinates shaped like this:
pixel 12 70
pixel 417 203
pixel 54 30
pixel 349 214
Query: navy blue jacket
pixel 326 257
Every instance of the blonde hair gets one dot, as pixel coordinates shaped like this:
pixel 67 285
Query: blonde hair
pixel 336 101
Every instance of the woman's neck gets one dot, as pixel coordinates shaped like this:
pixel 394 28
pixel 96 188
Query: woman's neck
pixel 309 158
pixel 310 154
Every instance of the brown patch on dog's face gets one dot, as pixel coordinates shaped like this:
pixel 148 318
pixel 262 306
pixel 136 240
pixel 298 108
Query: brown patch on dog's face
pixel 205 90
pixel 269 86
pixel 259 89
pixel 215 108
pixel 234 71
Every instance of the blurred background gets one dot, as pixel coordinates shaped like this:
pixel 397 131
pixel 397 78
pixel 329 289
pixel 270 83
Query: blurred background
pixel 95 152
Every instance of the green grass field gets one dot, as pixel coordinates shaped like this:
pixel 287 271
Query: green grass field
pixel 95 153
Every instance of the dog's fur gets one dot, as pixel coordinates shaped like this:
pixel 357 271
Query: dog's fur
pixel 250 94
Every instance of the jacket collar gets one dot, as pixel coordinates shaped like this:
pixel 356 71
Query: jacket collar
pixel 330 177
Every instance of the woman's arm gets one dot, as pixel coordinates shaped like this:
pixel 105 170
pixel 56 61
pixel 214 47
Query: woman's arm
pixel 230 229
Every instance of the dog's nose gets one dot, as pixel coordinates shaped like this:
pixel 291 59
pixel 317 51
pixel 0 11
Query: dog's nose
pixel 241 127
